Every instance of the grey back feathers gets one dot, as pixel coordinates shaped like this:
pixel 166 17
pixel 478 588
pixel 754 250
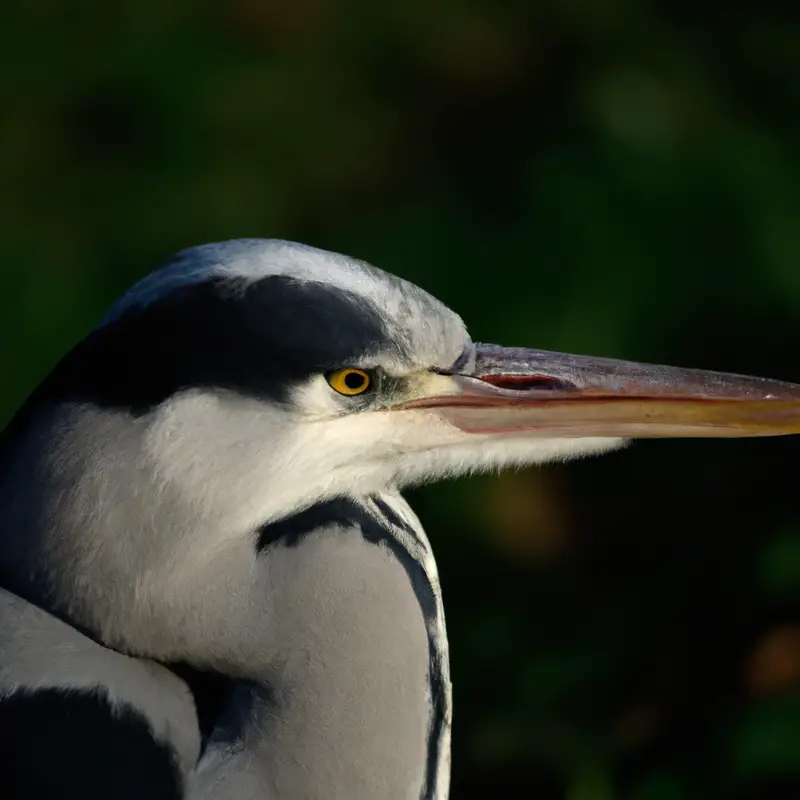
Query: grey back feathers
pixel 76 716
pixel 42 652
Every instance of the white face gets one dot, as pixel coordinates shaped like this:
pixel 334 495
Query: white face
pixel 260 462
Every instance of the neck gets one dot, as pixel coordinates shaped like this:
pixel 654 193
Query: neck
pixel 330 622
pixel 353 696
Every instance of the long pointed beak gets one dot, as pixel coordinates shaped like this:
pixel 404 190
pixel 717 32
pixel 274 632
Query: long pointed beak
pixel 560 395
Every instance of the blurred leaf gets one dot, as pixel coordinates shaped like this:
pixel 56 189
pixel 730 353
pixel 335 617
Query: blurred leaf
pixel 591 782
pixel 779 563
pixel 774 665
pixel 764 742
pixel 661 786
pixel 548 677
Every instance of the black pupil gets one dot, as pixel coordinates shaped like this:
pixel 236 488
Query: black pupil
pixel 354 380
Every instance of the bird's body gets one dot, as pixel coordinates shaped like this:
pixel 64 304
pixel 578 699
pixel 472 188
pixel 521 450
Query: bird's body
pixel 204 554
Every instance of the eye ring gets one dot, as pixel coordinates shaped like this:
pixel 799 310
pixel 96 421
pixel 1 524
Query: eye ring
pixel 349 381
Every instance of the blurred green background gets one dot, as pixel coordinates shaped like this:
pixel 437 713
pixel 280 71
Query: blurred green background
pixel 614 177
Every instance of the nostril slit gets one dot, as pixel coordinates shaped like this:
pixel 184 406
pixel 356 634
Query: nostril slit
pixel 523 383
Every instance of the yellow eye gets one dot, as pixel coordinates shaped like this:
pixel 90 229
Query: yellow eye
pixel 349 381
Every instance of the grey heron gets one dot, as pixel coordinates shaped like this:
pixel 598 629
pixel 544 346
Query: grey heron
pixel 211 584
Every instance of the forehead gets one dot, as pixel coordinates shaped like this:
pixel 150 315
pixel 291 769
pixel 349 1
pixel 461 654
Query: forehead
pixel 317 292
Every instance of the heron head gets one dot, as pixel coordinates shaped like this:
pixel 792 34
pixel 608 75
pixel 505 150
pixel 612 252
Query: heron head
pixel 267 375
